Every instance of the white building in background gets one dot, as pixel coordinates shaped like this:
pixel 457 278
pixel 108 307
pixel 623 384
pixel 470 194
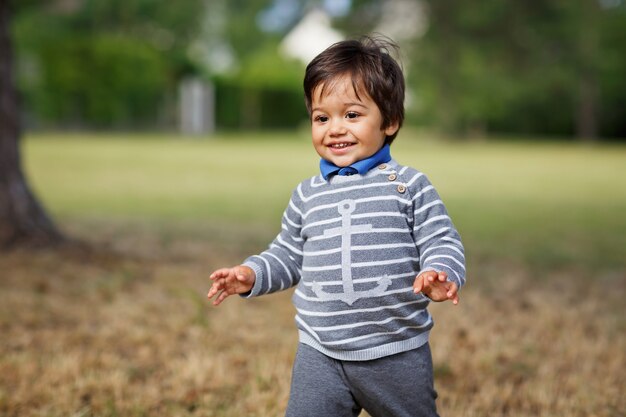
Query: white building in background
pixel 197 107
pixel 310 36
pixel 403 20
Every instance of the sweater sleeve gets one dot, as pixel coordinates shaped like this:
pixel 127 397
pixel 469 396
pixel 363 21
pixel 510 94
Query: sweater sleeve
pixel 280 266
pixel 438 242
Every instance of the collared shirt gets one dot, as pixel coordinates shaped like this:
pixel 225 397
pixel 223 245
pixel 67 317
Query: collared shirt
pixel 328 169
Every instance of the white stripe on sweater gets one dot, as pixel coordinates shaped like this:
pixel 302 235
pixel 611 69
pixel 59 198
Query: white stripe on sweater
pixel 427 206
pixel 412 180
pixel 288 246
pixel 431 220
pixel 362 248
pixel 294 208
pixel 345 189
pixel 360 264
pixel 362 280
pixel 363 337
pixel 430 236
pixel 382 294
pixel 421 300
pixel 377 214
pixel 282 283
pixel 427 260
pixel 423 191
pixel 291 222
pixel 365 323
pixel 381 230
pixel 357 201
pixel 454 248
pixel 453 240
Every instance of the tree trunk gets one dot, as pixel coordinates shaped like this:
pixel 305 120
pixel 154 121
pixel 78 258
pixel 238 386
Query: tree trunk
pixel 23 220
pixel 588 99
pixel 586 120
pixel 447 112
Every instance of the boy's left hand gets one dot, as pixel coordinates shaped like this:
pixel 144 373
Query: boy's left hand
pixel 435 285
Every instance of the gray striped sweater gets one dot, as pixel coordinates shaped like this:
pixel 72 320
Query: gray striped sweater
pixel 353 245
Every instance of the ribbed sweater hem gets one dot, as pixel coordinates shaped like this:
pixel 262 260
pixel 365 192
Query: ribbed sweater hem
pixel 366 354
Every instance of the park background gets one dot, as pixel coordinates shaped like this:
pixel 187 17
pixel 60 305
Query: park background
pixel 515 110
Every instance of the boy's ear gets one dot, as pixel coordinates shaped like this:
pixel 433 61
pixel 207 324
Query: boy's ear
pixel 391 129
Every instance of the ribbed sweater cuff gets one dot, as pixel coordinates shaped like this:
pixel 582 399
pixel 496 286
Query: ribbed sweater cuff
pixel 258 281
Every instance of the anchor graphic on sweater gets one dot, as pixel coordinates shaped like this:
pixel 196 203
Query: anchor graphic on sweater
pixel 349 295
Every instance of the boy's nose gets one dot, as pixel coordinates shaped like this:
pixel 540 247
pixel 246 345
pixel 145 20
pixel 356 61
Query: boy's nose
pixel 337 128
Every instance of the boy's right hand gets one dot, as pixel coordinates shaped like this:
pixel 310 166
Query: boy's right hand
pixel 229 281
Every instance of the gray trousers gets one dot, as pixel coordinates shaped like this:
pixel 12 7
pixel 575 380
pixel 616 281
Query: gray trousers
pixel 399 385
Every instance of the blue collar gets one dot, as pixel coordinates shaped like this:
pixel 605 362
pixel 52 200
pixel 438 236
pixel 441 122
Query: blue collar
pixel 361 167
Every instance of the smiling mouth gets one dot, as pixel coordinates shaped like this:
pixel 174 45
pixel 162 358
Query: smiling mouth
pixel 340 145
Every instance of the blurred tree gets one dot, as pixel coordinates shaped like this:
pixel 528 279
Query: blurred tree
pixel 22 219
pixel 541 67
pixel 103 62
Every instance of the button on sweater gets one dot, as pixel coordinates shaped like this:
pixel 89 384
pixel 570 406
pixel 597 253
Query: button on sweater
pixel 353 246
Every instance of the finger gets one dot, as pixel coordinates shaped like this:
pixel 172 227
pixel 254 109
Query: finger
pixel 428 276
pixel 427 283
pixel 455 299
pixel 214 289
pixel 443 277
pixel 211 293
pixel 220 273
pixel 452 291
pixel 418 284
pixel 223 295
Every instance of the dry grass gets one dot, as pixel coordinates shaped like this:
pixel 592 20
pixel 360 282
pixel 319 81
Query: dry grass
pixel 123 329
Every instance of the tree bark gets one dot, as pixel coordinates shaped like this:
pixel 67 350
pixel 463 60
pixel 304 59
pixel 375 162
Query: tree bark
pixel 23 221
pixel 588 98
pixel 447 112
pixel 586 120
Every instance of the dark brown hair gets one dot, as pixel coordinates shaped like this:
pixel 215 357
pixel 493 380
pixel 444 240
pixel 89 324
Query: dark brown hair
pixel 368 63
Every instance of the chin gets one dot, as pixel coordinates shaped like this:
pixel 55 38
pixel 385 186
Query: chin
pixel 342 163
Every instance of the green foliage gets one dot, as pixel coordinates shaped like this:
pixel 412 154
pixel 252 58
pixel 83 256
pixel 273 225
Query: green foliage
pixel 253 106
pixel 102 63
pixel 265 93
pixel 540 67
pixel 103 80
pixel 267 68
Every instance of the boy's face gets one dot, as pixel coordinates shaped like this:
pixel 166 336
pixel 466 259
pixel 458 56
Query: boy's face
pixel 344 127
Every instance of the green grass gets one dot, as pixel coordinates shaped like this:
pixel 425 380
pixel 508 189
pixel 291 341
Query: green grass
pixel 544 203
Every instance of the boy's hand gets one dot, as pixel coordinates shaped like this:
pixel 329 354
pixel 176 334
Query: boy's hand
pixel 236 280
pixel 435 285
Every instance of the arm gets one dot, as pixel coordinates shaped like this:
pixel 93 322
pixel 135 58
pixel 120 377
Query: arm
pixel 442 258
pixel 275 269
pixel 279 267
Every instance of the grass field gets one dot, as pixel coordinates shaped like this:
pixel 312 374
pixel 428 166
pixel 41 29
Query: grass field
pixel 121 327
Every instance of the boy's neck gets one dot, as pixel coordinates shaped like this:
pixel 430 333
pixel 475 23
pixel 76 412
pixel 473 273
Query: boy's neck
pixel 328 169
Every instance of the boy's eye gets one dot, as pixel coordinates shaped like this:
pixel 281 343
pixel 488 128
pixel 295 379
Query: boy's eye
pixel 322 119
pixel 352 115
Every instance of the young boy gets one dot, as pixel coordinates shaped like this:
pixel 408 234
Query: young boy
pixel 368 243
